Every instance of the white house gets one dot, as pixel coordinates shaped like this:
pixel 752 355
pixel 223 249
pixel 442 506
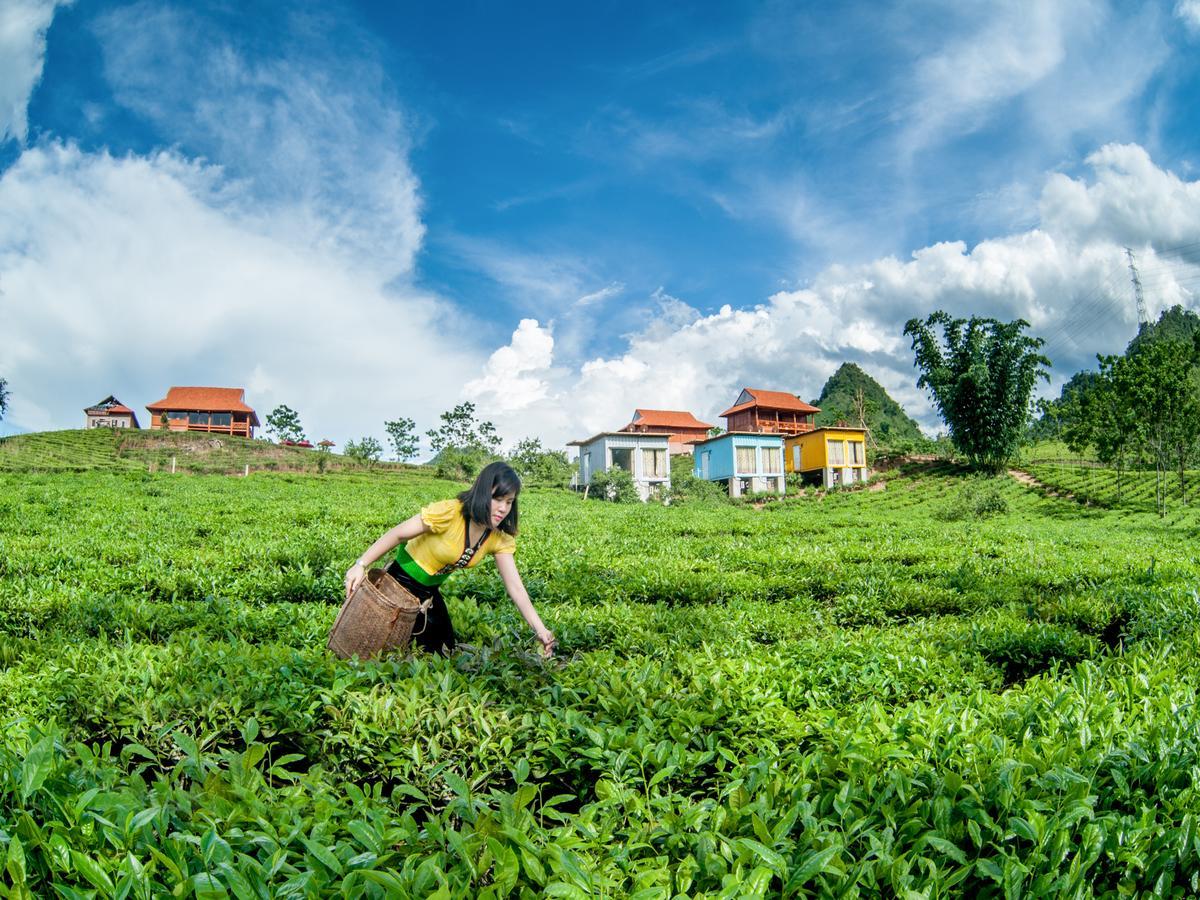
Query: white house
pixel 645 456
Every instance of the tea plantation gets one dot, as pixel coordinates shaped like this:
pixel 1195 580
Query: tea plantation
pixel 951 687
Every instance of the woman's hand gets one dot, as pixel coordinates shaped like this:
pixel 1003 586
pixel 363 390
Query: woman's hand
pixel 354 576
pixel 549 642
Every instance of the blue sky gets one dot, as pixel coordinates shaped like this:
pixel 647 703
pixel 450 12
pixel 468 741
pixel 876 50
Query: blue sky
pixel 371 210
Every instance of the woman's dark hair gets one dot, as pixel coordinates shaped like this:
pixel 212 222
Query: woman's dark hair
pixel 495 480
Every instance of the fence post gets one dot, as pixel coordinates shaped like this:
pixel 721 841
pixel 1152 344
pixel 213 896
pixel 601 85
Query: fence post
pixel 172 465
pixel 246 474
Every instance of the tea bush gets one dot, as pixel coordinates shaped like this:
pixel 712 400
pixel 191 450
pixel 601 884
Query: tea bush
pixel 849 695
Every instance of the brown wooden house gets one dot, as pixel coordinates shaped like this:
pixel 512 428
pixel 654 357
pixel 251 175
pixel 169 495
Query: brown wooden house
pixel 208 409
pixel 773 412
pixel 110 413
pixel 681 426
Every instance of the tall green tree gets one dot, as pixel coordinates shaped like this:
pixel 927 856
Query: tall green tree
pixel 367 450
pixel 284 423
pixel 4 395
pixel 537 465
pixel 981 374
pixel 1096 413
pixel 402 435
pixel 461 431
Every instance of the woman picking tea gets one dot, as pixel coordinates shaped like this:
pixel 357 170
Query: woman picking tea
pixel 456 534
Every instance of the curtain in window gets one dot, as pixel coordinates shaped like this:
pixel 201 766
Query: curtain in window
pixel 772 461
pixel 654 463
pixel 745 459
pixel 856 452
pixel 837 453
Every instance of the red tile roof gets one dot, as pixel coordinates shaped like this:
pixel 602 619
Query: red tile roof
pixel 772 400
pixel 666 418
pixel 204 399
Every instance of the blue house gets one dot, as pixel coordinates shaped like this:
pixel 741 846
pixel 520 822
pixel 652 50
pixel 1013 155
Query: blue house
pixel 748 462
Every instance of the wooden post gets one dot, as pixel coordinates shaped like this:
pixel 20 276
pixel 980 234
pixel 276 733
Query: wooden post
pixel 246 474
pixel 172 465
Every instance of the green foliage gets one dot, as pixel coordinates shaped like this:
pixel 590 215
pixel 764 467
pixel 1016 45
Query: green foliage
pixel 402 435
pixel 687 488
pixel 538 466
pixel 1175 324
pixel 849 391
pixel 284 423
pixel 461 464
pixel 367 450
pixel 977 498
pixel 981 375
pixel 615 485
pixel 460 431
pixel 843 697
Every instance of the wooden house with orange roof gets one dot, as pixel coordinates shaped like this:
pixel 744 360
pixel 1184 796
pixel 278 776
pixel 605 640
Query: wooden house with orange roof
pixel 208 409
pixel 770 412
pixel 681 427
pixel 110 413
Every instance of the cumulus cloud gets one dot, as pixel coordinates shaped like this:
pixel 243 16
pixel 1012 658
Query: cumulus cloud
pixel 1066 277
pixel 516 375
pixel 126 275
pixel 23 26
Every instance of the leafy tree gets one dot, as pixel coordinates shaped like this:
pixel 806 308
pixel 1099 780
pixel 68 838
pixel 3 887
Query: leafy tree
pixel 4 395
pixel 367 450
pixel 284 423
pixel 1174 324
pixel 614 484
pixel 715 431
pixel 1055 416
pixel 1095 415
pixel 402 435
pixel 460 430
pixel 981 377
pixel 537 465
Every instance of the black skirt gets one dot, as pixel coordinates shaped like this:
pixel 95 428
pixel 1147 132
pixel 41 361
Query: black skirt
pixel 433 631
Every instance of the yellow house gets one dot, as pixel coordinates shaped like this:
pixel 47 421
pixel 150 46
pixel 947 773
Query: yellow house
pixel 828 455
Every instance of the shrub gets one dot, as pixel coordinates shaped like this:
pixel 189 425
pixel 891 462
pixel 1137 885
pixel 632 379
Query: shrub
pixel 687 488
pixel 615 485
pixel 979 498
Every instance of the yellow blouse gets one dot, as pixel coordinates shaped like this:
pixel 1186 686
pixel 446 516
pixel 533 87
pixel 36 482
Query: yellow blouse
pixel 444 542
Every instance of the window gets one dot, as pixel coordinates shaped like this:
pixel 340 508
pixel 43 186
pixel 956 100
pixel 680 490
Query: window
pixel 225 419
pixel 704 463
pixel 796 457
pixel 856 452
pixel 836 453
pixel 198 418
pixel 585 467
pixel 654 463
pixel 623 459
pixel 746 460
pixel 177 415
pixel 772 460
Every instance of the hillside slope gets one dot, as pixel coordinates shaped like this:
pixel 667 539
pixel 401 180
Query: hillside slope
pixel 885 417
pixel 81 450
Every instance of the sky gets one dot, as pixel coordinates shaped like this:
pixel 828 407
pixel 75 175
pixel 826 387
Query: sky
pixel 374 210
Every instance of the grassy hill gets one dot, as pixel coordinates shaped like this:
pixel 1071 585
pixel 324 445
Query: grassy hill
pixel 888 421
pixel 110 449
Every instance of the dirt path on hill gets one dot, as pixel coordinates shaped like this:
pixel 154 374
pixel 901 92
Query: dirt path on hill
pixel 1029 481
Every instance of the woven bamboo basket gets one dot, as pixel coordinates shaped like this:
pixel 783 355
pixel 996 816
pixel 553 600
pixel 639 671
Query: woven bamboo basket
pixel 378 617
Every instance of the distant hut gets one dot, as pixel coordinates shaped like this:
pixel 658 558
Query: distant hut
pixel 829 455
pixel 110 413
pixel 681 427
pixel 207 409
pixel 745 462
pixel 644 456
pixel 770 412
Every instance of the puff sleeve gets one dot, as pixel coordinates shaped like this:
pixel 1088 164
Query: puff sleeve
pixel 441 515
pixel 505 543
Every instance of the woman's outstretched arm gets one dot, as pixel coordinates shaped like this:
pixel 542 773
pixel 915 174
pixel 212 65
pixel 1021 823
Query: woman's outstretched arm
pixel 520 598
pixel 392 538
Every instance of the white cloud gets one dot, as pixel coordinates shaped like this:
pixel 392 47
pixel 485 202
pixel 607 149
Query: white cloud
pixel 23 26
pixel 127 275
pixel 516 375
pixel 1189 12
pixel 317 133
pixel 1066 277
pixel 609 290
